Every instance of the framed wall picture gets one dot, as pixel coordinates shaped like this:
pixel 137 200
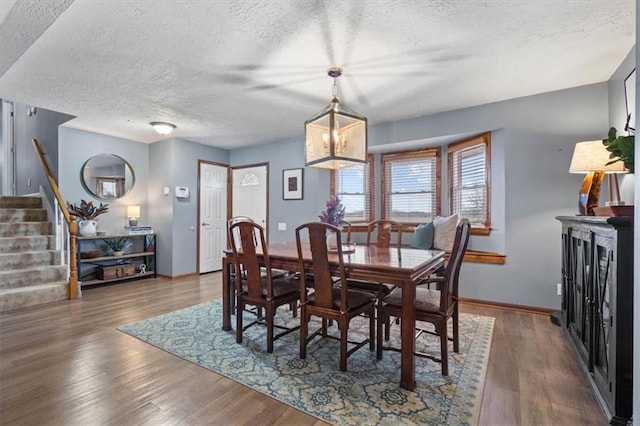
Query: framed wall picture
pixel 630 96
pixel 292 184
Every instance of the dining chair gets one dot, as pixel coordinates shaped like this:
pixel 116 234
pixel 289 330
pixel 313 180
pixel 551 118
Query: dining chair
pixel 433 306
pixel 330 298
pixel 383 231
pixel 255 285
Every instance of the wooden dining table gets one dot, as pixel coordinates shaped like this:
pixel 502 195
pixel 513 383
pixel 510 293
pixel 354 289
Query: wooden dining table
pixel 399 266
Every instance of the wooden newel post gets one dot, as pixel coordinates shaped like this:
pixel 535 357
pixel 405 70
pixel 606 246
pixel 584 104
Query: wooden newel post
pixel 73 261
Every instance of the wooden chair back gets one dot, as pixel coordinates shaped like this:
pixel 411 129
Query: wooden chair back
pixel 246 238
pixel 323 281
pixel 384 229
pixel 449 289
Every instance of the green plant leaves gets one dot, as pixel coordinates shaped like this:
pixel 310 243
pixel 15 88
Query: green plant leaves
pixel 621 147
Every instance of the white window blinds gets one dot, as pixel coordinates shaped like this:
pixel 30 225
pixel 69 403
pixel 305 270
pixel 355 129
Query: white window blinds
pixel 353 186
pixel 411 187
pixel 469 180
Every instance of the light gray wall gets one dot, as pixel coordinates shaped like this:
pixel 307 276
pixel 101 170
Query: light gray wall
pixel 43 126
pixel 617 119
pixel 532 144
pixel 175 163
pixel 76 147
pixel 161 214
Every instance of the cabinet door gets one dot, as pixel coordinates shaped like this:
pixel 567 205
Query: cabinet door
pixel 568 277
pixel 603 333
pixel 581 327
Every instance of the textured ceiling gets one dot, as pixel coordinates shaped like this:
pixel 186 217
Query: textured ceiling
pixel 239 73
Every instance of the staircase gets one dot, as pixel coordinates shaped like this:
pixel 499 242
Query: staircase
pixel 30 269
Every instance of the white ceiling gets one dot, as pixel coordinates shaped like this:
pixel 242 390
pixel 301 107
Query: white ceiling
pixel 240 73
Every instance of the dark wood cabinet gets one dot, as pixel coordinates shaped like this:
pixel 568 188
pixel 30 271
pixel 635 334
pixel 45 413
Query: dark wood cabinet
pixel 597 305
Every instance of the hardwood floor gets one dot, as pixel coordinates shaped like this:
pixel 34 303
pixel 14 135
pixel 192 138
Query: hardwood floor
pixel 65 363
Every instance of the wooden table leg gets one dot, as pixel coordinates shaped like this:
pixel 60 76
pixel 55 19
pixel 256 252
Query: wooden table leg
pixel 408 344
pixel 226 293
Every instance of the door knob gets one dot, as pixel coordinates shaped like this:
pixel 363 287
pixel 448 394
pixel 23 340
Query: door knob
pixel 205 224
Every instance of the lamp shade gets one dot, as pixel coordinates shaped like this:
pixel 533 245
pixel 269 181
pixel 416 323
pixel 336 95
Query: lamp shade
pixel 592 156
pixel 133 212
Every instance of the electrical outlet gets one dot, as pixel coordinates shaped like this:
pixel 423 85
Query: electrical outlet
pixel 559 289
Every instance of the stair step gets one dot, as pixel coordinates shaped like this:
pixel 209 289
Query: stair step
pixel 23 215
pixel 15 298
pixel 28 243
pixel 15 229
pixel 17 202
pixel 27 259
pixel 36 275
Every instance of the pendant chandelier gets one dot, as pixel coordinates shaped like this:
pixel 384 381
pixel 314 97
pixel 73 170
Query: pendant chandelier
pixel 336 137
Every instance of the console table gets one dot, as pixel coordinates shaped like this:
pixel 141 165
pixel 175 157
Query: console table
pixel 138 262
pixel 597 306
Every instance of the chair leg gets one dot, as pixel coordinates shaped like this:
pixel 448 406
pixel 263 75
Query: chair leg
pixel 293 307
pixel 324 327
pixel 456 336
pixel 343 344
pixel 444 343
pixel 372 329
pixel 381 320
pixel 270 314
pixel 304 325
pixel 387 327
pixel 239 309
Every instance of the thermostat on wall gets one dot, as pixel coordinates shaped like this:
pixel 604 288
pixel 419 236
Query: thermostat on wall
pixel 182 192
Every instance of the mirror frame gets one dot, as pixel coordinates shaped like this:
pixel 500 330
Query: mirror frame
pixel 108 184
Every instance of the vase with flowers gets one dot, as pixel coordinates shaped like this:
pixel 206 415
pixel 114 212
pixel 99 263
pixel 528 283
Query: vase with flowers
pixel 333 215
pixel 86 213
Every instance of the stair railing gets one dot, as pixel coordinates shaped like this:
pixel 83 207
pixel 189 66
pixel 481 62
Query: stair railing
pixel 72 225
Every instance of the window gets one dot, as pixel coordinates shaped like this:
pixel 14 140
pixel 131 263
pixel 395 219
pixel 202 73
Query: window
pixel 353 185
pixel 468 165
pixel 411 186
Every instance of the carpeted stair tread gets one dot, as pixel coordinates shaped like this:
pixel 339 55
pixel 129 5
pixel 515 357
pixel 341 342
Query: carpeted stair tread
pixel 23 215
pixel 26 259
pixel 31 271
pixel 17 202
pixel 15 298
pixel 33 275
pixel 26 243
pixel 16 229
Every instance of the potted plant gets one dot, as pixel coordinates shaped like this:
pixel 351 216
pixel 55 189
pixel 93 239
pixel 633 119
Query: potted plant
pixel 86 213
pixel 333 215
pixel 621 148
pixel 117 245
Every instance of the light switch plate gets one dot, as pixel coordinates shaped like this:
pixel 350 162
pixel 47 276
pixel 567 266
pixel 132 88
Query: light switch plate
pixel 166 190
pixel 282 226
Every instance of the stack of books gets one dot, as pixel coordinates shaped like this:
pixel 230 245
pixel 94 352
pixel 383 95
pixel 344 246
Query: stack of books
pixel 137 230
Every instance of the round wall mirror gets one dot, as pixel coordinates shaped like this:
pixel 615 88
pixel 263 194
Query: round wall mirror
pixel 107 176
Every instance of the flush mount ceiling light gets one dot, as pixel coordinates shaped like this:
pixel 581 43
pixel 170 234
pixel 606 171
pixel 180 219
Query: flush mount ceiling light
pixel 336 137
pixel 162 127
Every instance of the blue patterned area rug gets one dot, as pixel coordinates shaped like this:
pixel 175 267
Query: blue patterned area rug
pixel 368 393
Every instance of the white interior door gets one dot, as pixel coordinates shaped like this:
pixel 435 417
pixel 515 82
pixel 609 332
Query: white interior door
pixel 213 216
pixel 249 193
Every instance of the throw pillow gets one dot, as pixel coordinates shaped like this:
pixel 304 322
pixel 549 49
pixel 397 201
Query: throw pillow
pixel 423 236
pixel 444 232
